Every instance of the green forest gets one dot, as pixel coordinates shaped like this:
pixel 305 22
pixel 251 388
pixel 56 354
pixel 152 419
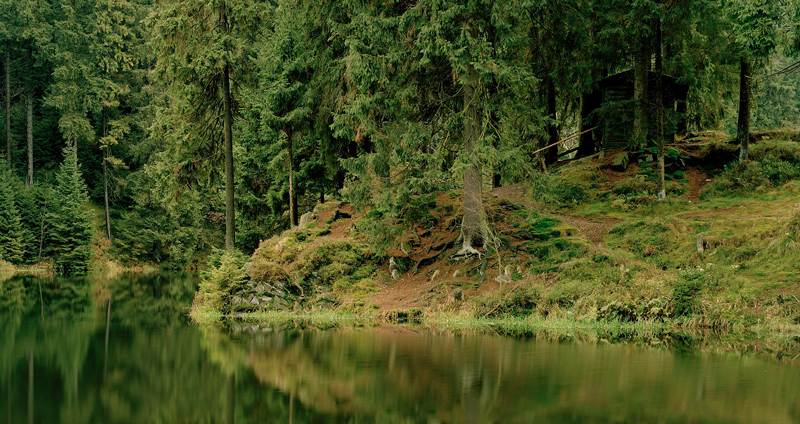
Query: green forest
pixel 142 132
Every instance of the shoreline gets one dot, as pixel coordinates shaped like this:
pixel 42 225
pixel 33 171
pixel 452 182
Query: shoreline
pixel 780 343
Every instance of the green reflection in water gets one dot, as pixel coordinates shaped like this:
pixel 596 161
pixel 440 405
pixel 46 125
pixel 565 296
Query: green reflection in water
pixel 60 363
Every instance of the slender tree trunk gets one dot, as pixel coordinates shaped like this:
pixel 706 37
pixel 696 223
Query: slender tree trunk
pixel 230 217
pixel 640 74
pixel 473 226
pixel 743 126
pixel 293 220
pixel 552 128
pixel 106 155
pixel 8 105
pixel 662 193
pixel 29 107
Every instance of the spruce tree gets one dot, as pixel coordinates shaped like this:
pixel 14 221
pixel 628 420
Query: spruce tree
pixel 11 231
pixel 204 54
pixel 283 101
pixel 756 35
pixel 70 225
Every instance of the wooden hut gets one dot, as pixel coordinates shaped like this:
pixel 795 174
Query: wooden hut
pixel 610 108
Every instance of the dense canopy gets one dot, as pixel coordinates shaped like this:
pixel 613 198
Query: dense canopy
pixel 202 124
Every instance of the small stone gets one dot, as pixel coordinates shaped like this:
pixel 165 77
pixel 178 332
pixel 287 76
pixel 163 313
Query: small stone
pixel 306 219
pixel 649 158
pixel 435 274
pixel 338 214
pixel 620 162
pixel 457 273
pixel 702 243
pixel 458 294
pixel 396 274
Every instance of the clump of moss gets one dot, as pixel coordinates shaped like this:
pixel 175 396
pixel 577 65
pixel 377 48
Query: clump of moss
pixel 336 263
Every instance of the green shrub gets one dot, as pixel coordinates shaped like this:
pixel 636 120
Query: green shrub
pixel 224 275
pixel 685 292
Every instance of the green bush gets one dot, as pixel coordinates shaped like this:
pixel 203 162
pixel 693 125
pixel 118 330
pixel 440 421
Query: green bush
pixel 769 172
pixel 224 275
pixel 685 292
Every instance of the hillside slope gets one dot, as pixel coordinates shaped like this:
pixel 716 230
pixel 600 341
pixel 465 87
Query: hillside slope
pixel 586 242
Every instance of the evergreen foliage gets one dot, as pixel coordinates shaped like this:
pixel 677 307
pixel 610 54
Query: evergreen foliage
pixel 12 240
pixel 193 119
pixel 70 228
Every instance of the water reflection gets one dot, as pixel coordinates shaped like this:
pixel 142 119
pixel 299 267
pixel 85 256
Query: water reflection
pixel 122 352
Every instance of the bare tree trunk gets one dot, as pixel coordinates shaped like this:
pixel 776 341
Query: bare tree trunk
pixel 552 128
pixel 473 226
pixel 29 107
pixel 8 105
pixel 662 193
pixel 743 126
pixel 640 74
pixel 106 156
pixel 230 217
pixel 293 220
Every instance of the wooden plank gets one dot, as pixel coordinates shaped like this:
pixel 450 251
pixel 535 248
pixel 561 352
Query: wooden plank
pixel 563 140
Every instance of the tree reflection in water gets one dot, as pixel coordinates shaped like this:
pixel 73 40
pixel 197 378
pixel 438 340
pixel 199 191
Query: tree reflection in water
pixel 133 359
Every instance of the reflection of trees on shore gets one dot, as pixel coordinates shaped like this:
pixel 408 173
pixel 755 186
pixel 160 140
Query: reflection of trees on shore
pixel 389 375
pixel 144 365
pixel 153 372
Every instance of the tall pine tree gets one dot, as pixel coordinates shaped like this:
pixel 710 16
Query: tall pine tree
pixel 69 222
pixel 204 55
pixel 11 231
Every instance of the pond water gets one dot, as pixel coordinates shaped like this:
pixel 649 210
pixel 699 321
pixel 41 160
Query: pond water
pixel 65 359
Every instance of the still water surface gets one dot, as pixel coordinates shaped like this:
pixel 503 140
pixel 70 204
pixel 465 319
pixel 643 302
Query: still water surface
pixel 65 359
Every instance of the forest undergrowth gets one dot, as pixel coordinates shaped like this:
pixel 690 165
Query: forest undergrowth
pixel 582 251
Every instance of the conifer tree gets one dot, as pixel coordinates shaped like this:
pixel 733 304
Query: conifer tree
pixel 204 54
pixel 70 229
pixel 755 32
pixel 11 231
pixel 283 100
